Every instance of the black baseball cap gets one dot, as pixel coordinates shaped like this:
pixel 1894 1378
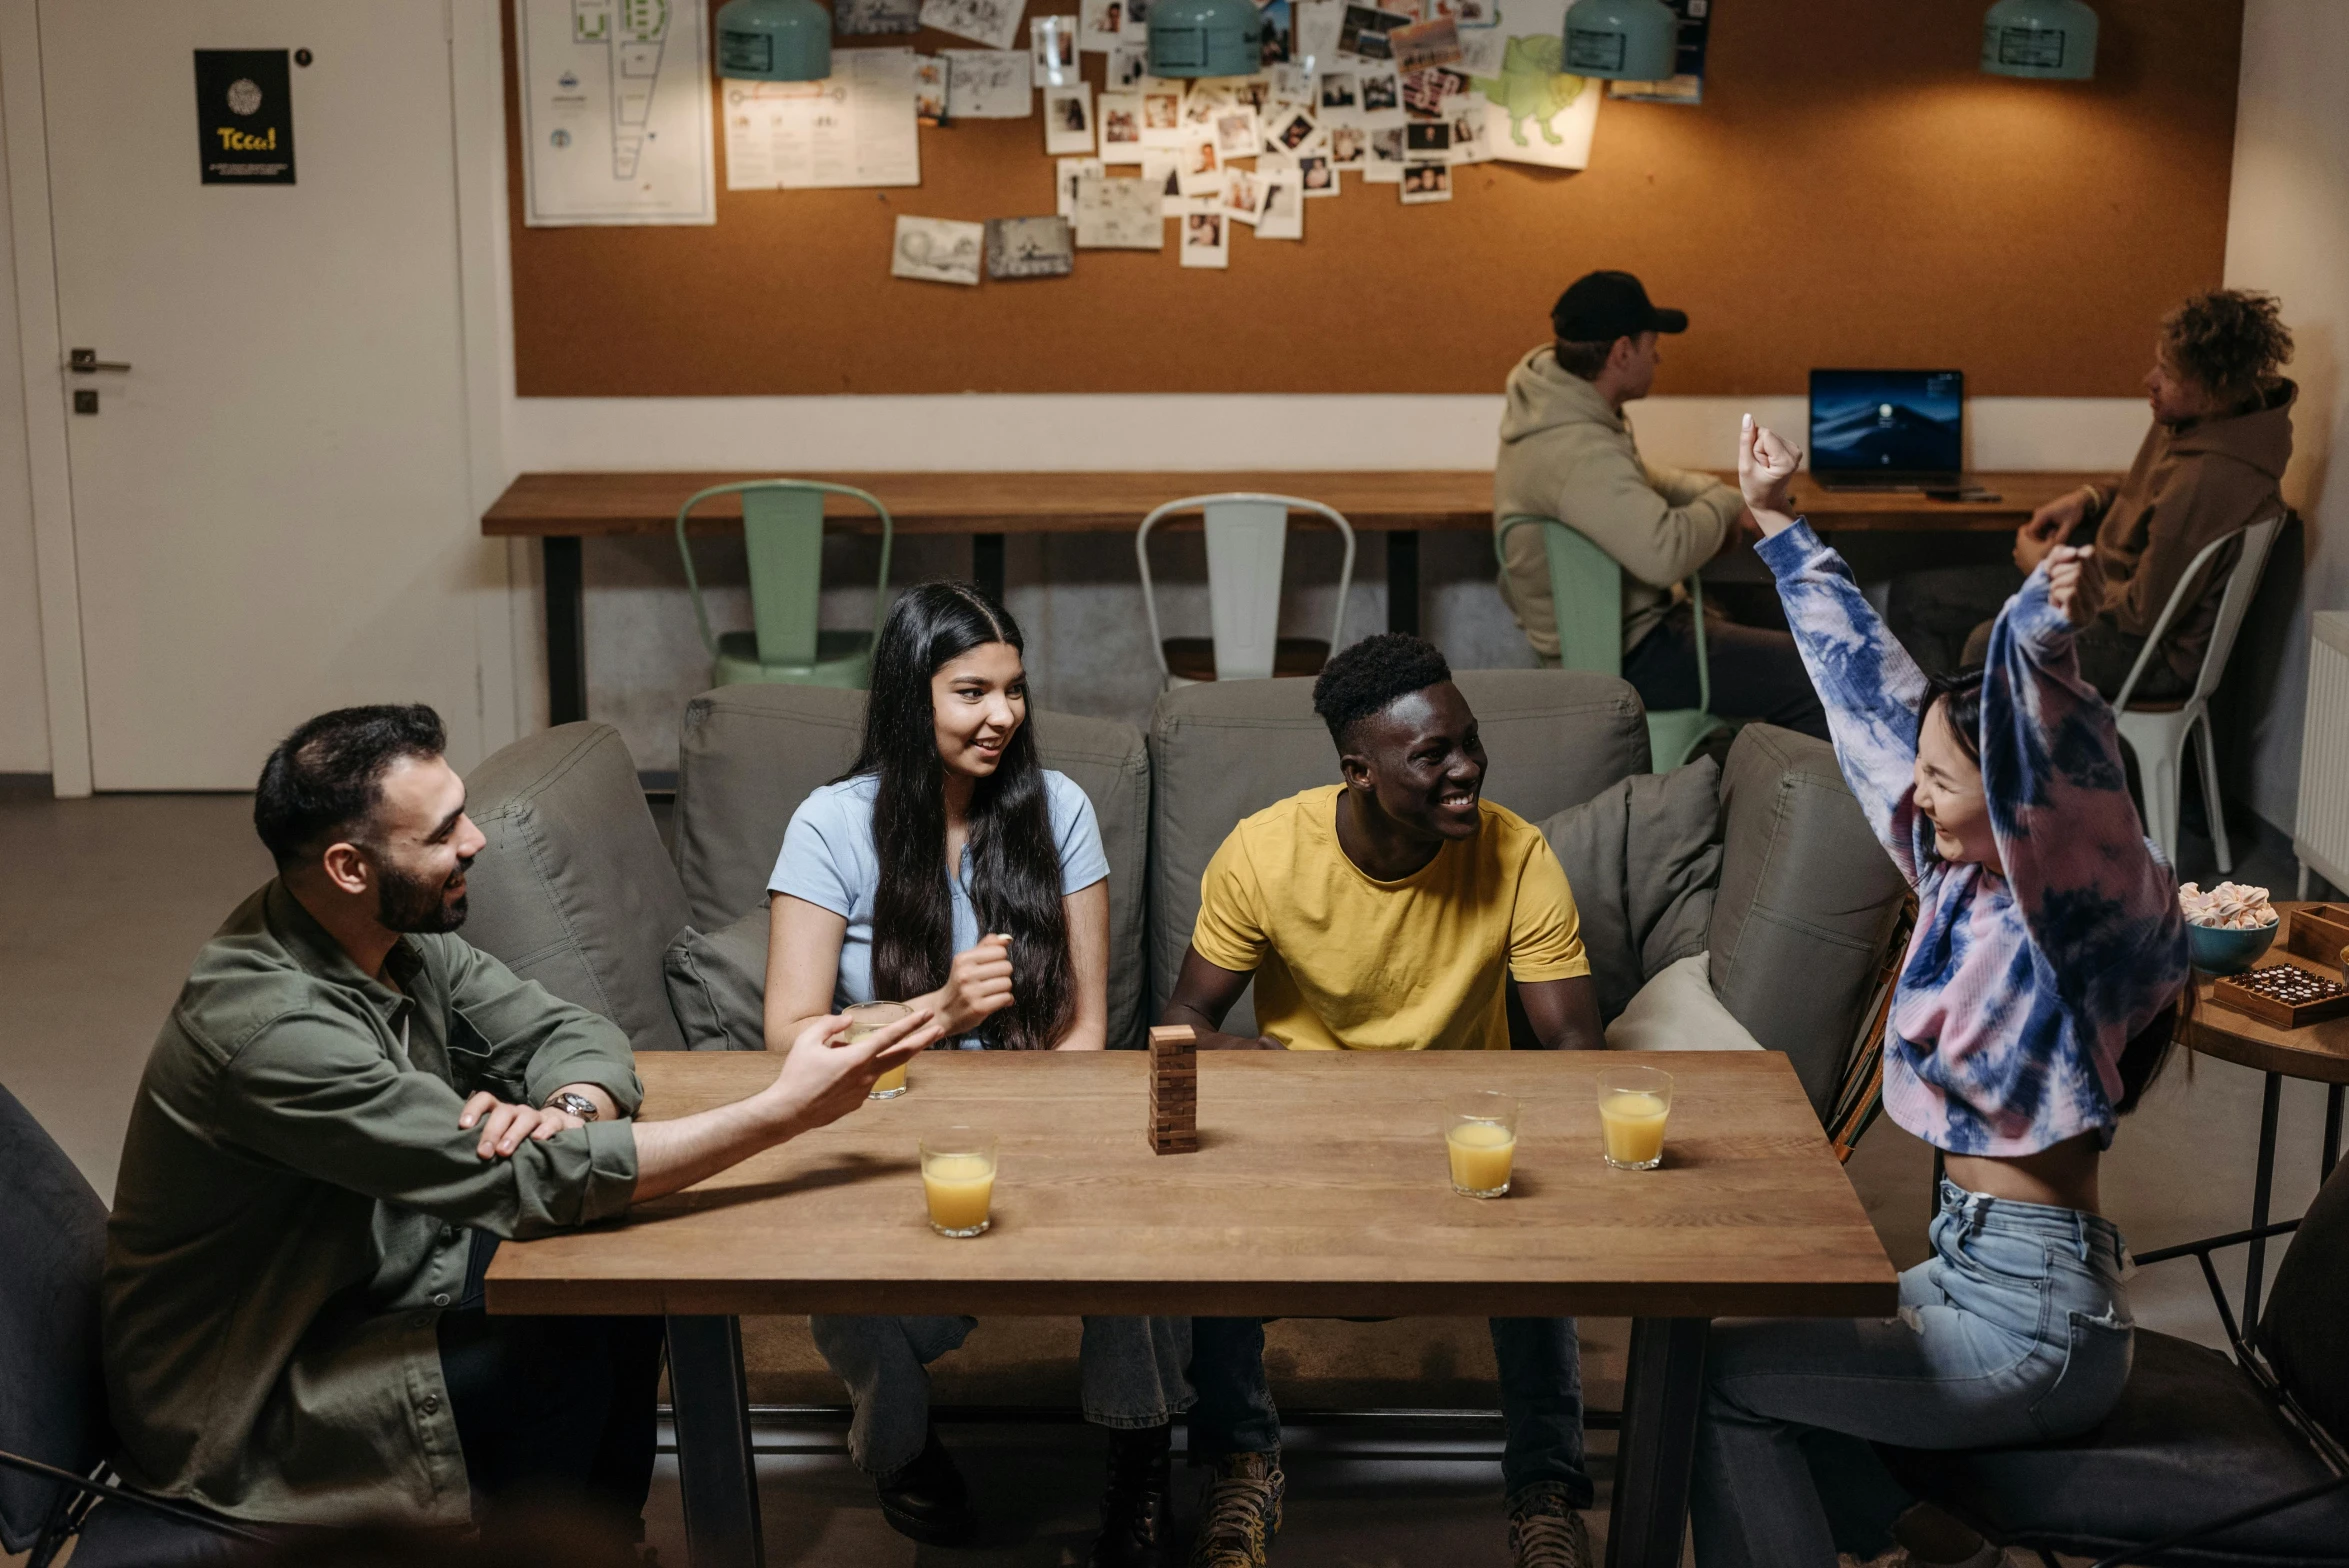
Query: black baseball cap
pixel 1604 306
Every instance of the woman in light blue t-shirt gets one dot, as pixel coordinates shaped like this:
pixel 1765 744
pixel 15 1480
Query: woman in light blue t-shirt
pixel 952 870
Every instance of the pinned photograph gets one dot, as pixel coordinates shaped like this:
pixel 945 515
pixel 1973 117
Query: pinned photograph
pixel 1207 240
pixel 1319 23
pixel 1100 23
pixel 1201 169
pixel 1470 143
pixel 1382 95
pixel 929 83
pixel 1425 92
pixel 858 18
pixel 1475 13
pixel 1363 33
pixel 1316 175
pixel 1423 181
pixel 937 250
pixel 1349 147
pixel 988 84
pixel 1273 43
pixel 1254 91
pixel 1129 66
pixel 1292 84
pixel 1052 43
pixel 1120 115
pixel 1068 119
pixel 1066 173
pixel 1137 23
pixel 1427 139
pixel 1237 134
pixel 1339 94
pixel 1116 213
pixel 994 23
pixel 1029 248
pixel 1293 132
pixel 1161 169
pixel 1243 195
pixel 1282 215
pixel 1425 44
pixel 1384 166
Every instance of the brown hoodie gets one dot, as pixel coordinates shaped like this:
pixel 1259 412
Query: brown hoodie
pixel 2191 483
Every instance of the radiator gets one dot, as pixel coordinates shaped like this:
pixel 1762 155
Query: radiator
pixel 2320 828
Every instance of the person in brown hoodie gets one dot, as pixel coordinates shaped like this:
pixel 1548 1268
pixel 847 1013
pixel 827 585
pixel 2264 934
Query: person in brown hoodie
pixel 2209 468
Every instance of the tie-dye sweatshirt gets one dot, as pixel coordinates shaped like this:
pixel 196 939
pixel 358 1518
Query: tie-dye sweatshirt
pixel 2019 990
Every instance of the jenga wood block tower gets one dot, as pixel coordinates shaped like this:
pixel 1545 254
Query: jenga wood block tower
pixel 1174 1090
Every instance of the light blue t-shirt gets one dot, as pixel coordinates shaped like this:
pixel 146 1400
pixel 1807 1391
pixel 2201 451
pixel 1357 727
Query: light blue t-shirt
pixel 828 859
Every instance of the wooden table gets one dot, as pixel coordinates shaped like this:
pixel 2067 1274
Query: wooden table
pixel 562 509
pixel 2319 1052
pixel 1319 1189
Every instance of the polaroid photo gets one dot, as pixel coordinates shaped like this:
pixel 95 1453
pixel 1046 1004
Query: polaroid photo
pixel 1382 98
pixel 1029 248
pixel 1161 170
pixel 1052 42
pixel 1116 213
pixel 1120 115
pixel 1207 239
pixel 995 23
pixel 1363 34
pixel 1137 23
pixel 1201 169
pixel 938 250
pixel 1254 91
pixel 1293 133
pixel 1238 133
pixel 1281 216
pixel 1128 67
pixel 1427 139
pixel 858 18
pixel 988 84
pixel 1066 172
pixel 1470 143
pixel 929 85
pixel 1274 46
pixel 1243 196
pixel 1385 164
pixel 1068 119
pixel 1475 13
pixel 1292 85
pixel 1425 44
pixel 1425 92
pixel 1425 180
pixel 1162 116
pixel 1317 176
pixel 1100 24
pixel 1319 22
pixel 1349 148
pixel 1340 95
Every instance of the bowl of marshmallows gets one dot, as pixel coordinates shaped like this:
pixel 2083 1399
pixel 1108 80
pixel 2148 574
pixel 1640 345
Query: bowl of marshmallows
pixel 2228 927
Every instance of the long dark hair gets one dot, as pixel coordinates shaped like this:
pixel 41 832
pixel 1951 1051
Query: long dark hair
pixel 1015 866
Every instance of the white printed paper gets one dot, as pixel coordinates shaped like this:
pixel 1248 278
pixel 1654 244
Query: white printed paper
pixel 938 250
pixel 1066 173
pixel 1159 172
pixel 1115 213
pixel 994 23
pixel 1281 215
pixel 615 113
pixel 854 128
pixel 988 84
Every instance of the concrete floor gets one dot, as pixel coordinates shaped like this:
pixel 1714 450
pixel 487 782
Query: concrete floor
pixel 103 901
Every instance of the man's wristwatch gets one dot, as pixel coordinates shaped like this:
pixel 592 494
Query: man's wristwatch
pixel 578 1105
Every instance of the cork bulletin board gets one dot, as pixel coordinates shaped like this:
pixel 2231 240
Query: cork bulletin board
pixel 1852 191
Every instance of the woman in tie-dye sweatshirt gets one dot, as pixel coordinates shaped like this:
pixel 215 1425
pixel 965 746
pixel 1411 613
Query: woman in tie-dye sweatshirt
pixel 2033 1006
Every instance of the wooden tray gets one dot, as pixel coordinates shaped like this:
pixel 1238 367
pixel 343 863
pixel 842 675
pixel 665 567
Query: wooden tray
pixel 2318 931
pixel 2229 991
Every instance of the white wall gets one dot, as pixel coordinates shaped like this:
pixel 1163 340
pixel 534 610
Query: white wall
pixel 24 708
pixel 2288 232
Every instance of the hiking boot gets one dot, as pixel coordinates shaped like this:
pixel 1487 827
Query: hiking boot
pixel 1241 1512
pixel 927 1501
pixel 1133 1504
pixel 1545 1531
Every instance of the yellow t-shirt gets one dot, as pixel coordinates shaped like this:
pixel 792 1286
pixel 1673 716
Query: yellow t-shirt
pixel 1346 963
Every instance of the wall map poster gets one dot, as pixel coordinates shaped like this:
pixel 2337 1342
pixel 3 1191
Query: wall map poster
pixel 616 112
pixel 244 116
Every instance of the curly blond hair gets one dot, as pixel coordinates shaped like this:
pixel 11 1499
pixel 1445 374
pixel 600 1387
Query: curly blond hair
pixel 2228 341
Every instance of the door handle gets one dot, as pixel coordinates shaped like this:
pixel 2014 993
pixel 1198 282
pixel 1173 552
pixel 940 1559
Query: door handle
pixel 85 362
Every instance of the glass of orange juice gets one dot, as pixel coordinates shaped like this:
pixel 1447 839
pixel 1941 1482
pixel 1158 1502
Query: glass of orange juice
pixel 1633 1102
pixel 1480 1137
pixel 958 1179
pixel 863 1019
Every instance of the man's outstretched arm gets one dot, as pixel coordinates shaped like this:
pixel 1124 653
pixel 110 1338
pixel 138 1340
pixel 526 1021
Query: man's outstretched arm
pixel 1564 1013
pixel 1203 993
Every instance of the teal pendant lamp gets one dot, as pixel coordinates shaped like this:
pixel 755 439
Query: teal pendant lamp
pixel 1205 38
pixel 2040 40
pixel 1622 40
pixel 774 41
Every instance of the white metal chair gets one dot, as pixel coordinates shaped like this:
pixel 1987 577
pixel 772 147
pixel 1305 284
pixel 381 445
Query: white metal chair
pixel 1247 533
pixel 2158 732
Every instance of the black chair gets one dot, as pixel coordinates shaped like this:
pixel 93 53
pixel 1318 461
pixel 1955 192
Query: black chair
pixel 54 1436
pixel 2207 1462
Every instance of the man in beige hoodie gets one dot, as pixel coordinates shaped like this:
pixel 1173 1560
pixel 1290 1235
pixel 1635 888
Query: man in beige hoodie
pixel 1567 452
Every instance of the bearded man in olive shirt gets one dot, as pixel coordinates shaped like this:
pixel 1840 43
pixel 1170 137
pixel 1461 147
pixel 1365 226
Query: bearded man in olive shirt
pixel 346 1110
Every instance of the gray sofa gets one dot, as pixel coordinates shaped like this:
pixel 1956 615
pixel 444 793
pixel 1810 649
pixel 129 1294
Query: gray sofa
pixel 1765 868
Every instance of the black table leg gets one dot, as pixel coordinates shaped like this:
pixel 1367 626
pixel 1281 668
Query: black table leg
pixel 716 1473
pixel 2332 1155
pixel 2255 1271
pixel 1403 581
pixel 987 564
pixel 1663 1391
pixel 566 633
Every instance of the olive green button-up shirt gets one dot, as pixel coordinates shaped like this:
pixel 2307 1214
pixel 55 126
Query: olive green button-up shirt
pixel 294 1209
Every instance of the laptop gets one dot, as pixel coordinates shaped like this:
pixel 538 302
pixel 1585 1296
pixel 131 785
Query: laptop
pixel 1888 429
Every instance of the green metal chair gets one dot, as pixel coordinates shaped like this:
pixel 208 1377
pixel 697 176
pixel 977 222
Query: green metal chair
pixel 1586 587
pixel 783 533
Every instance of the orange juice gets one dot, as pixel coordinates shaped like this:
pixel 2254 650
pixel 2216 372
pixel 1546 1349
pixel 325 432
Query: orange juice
pixel 890 1084
pixel 1633 1125
pixel 958 1187
pixel 863 1019
pixel 1481 1154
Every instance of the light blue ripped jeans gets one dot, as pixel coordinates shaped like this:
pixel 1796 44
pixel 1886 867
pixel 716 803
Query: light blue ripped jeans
pixel 2016 1330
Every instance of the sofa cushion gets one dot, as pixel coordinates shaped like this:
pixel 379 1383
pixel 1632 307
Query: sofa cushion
pixel 748 755
pixel 2305 1330
pixel 1642 856
pixel 718 984
pixel 1222 750
pixel 1806 903
pixel 1677 1011
pixel 574 890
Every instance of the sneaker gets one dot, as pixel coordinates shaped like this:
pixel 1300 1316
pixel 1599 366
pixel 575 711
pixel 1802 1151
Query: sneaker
pixel 927 1501
pixel 1545 1531
pixel 1133 1504
pixel 1242 1511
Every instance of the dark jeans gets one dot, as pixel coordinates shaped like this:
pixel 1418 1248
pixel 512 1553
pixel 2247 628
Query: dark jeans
pixel 1757 673
pixel 1943 617
pixel 1541 1398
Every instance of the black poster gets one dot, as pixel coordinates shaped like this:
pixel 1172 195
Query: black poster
pixel 245 116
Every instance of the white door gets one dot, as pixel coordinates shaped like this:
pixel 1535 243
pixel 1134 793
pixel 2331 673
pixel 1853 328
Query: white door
pixel 270 505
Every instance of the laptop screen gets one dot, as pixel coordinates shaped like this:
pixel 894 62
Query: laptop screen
pixel 1887 422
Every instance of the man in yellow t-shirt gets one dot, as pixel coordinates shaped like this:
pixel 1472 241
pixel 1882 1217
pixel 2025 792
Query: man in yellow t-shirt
pixel 1387 913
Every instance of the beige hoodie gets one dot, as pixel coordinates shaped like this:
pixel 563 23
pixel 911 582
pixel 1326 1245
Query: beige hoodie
pixel 1566 454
